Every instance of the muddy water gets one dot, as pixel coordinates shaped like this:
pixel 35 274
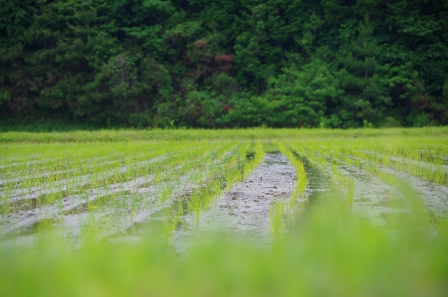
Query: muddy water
pixel 372 197
pixel 434 196
pixel 244 210
pixel 319 182
pixel 71 219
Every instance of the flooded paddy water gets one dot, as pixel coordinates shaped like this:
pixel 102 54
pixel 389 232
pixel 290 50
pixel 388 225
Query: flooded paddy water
pixel 204 189
pixel 311 206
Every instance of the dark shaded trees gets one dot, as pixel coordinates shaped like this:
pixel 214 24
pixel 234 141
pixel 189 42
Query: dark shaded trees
pixel 223 63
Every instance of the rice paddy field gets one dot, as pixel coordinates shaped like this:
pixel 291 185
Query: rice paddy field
pixel 257 212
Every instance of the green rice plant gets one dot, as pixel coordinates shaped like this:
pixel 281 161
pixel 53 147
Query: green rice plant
pixel 328 161
pixel 169 229
pixel 440 176
pixel 302 179
pixel 167 193
pixel 413 200
pixel 350 192
pixel 431 170
pixel 113 177
pixel 255 161
pixel 276 219
pixel 211 187
pixel 4 198
pixel 194 206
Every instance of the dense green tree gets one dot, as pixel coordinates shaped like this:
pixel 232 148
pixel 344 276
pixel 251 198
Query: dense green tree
pixel 295 63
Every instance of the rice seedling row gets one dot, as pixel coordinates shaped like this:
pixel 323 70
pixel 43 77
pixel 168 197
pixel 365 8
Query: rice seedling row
pixel 392 175
pixel 353 180
pixel 118 210
pixel 193 193
pixel 88 196
pixel 434 196
pixel 114 183
pixel 436 173
pixel 167 187
pixel 82 169
pixel 195 180
pixel 345 215
pixel 47 193
pixel 244 209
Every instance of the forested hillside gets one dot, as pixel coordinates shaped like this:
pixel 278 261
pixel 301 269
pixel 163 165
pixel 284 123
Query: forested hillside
pixel 225 63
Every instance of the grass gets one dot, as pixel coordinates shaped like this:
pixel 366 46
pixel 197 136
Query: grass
pixel 229 134
pixel 321 244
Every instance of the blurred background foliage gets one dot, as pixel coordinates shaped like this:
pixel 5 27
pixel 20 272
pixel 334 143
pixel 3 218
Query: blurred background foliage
pixel 196 63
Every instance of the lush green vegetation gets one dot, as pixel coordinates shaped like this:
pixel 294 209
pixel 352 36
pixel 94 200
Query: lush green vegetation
pixel 333 254
pixel 227 134
pixel 72 204
pixel 277 63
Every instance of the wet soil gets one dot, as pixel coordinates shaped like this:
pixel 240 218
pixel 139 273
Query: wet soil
pixel 244 210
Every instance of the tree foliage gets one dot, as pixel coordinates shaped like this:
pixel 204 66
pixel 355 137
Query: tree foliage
pixel 196 63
